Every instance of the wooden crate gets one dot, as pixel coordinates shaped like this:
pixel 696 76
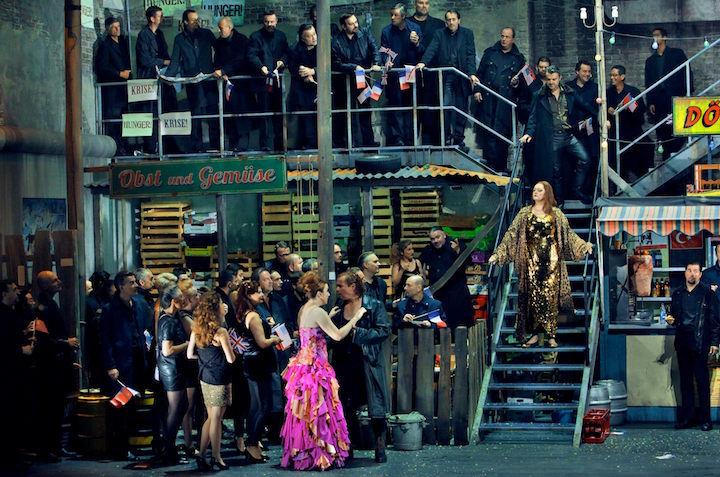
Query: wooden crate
pixel 276 222
pixel 419 211
pixel 161 235
pixel 305 218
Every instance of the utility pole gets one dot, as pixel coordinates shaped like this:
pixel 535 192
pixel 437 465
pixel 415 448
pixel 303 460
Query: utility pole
pixel 326 262
pixel 599 24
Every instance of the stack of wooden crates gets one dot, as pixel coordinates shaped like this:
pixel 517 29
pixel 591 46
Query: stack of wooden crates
pixel 161 235
pixel 419 211
pixel 383 223
pixel 305 217
pixel 276 222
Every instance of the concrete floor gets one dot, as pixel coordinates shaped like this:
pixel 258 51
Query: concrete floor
pixel 696 453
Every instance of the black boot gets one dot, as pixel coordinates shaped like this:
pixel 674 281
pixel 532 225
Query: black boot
pixel 380 455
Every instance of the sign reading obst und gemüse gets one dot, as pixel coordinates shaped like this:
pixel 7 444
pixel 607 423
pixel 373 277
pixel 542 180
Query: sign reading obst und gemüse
pixel 198 177
pixel 696 116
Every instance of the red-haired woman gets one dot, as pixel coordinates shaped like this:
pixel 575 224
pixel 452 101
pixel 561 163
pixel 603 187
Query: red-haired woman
pixel 539 241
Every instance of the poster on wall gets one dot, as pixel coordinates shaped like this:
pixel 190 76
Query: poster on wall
pixel 169 7
pixel 234 9
pixel 42 214
pixel 87 13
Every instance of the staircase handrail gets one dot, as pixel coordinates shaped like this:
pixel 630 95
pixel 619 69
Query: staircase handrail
pixel 588 284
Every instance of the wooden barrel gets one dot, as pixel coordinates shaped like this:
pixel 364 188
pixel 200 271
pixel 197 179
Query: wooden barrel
pixel 92 414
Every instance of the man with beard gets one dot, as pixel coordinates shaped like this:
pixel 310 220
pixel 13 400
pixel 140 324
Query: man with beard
pixel 267 52
pixel 231 60
pixel 694 313
pixel 303 89
pixel 437 258
pixel 192 54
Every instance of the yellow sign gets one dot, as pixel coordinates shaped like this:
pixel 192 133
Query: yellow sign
pixel 696 116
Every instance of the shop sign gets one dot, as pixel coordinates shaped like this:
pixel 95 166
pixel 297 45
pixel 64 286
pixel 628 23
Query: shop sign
pixel 696 116
pixel 142 90
pixel 198 177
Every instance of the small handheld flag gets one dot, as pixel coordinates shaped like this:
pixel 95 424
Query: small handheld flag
pixel 228 89
pixel 376 91
pixel 404 85
pixel 527 74
pixel 409 74
pixel 632 106
pixel 360 79
pixel 364 94
pixel 123 396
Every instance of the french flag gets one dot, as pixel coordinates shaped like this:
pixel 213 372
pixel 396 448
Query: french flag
pixel 376 91
pixel 434 317
pixel 360 79
pixel 228 89
pixel 124 396
pixel 627 99
pixel 528 74
pixel 364 95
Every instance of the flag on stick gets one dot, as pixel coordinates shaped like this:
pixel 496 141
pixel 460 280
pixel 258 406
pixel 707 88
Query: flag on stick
pixel 237 342
pixel 123 396
pixel 376 91
pixel 228 89
pixel 527 74
pixel 627 100
pixel 409 74
pixel 364 94
pixel 360 79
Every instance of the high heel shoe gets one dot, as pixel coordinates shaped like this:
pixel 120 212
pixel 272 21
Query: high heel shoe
pixel 253 460
pixel 202 465
pixel 214 462
pixel 528 344
pixel 552 343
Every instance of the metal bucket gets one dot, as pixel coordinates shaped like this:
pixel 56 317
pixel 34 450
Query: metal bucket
pixel 407 430
pixel 618 400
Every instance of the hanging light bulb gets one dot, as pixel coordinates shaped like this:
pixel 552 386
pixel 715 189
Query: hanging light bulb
pixel 583 13
pixel 712 144
pixel 604 144
pixel 598 57
pixel 612 39
pixel 661 149
pixel 655 44
pixel 615 12
pixel 706 43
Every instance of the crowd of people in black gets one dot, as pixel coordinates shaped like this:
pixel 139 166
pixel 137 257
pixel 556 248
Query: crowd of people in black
pixel 203 351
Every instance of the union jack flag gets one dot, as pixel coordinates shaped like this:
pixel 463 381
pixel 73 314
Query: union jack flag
pixel 238 343
pixel 384 77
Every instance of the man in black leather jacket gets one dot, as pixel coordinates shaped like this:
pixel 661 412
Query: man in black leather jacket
pixel 694 311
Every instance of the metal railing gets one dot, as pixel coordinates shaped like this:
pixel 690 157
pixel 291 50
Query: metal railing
pixel 348 109
pixel 589 286
pixel 688 85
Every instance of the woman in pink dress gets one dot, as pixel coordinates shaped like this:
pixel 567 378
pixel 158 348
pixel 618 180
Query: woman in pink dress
pixel 315 434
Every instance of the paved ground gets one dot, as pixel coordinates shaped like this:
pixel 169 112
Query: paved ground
pixel 695 453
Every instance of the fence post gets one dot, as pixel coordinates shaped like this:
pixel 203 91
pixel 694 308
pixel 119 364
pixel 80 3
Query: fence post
pixel 444 388
pixel 406 352
pixel 460 389
pixel 425 379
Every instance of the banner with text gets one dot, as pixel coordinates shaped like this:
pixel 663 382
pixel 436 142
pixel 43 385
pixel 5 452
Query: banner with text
pixel 87 13
pixel 176 124
pixel 137 124
pixel 142 90
pixel 234 9
pixel 198 177
pixel 696 116
pixel 169 7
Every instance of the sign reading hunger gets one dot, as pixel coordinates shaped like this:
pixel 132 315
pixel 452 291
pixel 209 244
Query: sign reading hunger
pixel 198 177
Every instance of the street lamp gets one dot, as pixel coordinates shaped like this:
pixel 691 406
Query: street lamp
pixel 598 24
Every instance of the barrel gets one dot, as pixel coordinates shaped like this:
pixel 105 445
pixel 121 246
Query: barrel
pixel 93 424
pixel 618 400
pixel 599 397
pixel 141 423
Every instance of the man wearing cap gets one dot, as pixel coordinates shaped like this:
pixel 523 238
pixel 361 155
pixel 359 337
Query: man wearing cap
pixel 112 65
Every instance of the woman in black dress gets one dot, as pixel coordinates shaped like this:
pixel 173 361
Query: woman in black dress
pixel 172 361
pixel 189 302
pixel 210 345
pixel 259 363
pixel 404 265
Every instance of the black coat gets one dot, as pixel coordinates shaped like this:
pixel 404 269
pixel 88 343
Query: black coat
pixel 302 93
pixel 706 329
pixel 342 56
pixel 675 86
pixel 111 59
pixel 151 50
pixel 711 276
pixel 631 122
pixel 438 53
pixel 370 333
pixel 589 93
pixel 266 49
pixel 192 53
pixel 12 340
pixel 497 76
pixel 117 321
pixel 231 54
pixel 540 127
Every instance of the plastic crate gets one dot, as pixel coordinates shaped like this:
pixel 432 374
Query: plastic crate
pixel 596 426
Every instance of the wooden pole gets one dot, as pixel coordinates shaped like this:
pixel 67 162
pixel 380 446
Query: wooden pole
pixel 326 262
pixel 73 149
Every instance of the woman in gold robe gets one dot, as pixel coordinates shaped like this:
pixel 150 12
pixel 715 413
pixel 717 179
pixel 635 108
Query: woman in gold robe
pixel 538 242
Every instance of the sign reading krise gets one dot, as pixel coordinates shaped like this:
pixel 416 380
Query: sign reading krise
pixel 198 177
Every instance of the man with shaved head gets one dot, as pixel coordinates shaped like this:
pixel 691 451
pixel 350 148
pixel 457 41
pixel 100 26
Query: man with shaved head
pixel 54 368
pixel 415 303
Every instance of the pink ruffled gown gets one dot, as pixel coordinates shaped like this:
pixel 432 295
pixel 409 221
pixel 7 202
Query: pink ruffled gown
pixel 315 433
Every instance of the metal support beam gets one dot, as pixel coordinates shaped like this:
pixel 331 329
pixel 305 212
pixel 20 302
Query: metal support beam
pixel 221 209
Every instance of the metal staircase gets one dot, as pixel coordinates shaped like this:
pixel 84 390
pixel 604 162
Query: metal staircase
pixel 524 387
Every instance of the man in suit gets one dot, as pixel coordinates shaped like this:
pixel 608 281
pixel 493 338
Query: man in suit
pixel 587 89
pixel 303 91
pixel 123 324
pixel 453 46
pixel 499 70
pixel 112 65
pixel 428 121
pixel 354 49
pixel 267 52
pixel 416 303
pixel 639 158
pixel 404 38
pixel 553 125
pixel 54 368
pixel 192 54
pixel 659 100
pixel 231 60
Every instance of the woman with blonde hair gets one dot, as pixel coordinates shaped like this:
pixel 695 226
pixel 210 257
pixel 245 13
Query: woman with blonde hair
pixel 404 265
pixel 210 346
pixel 538 242
pixel 188 304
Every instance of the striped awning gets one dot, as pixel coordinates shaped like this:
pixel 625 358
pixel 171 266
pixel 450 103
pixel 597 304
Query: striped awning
pixel 635 220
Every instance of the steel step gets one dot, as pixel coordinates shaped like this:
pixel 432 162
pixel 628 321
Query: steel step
pixel 514 294
pixel 513 312
pixel 539 349
pixel 572 216
pixel 535 386
pixel 581 262
pixel 560 331
pixel 527 426
pixel 536 406
pixel 538 367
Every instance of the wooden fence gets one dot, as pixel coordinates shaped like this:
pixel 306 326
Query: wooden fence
pixel 446 393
